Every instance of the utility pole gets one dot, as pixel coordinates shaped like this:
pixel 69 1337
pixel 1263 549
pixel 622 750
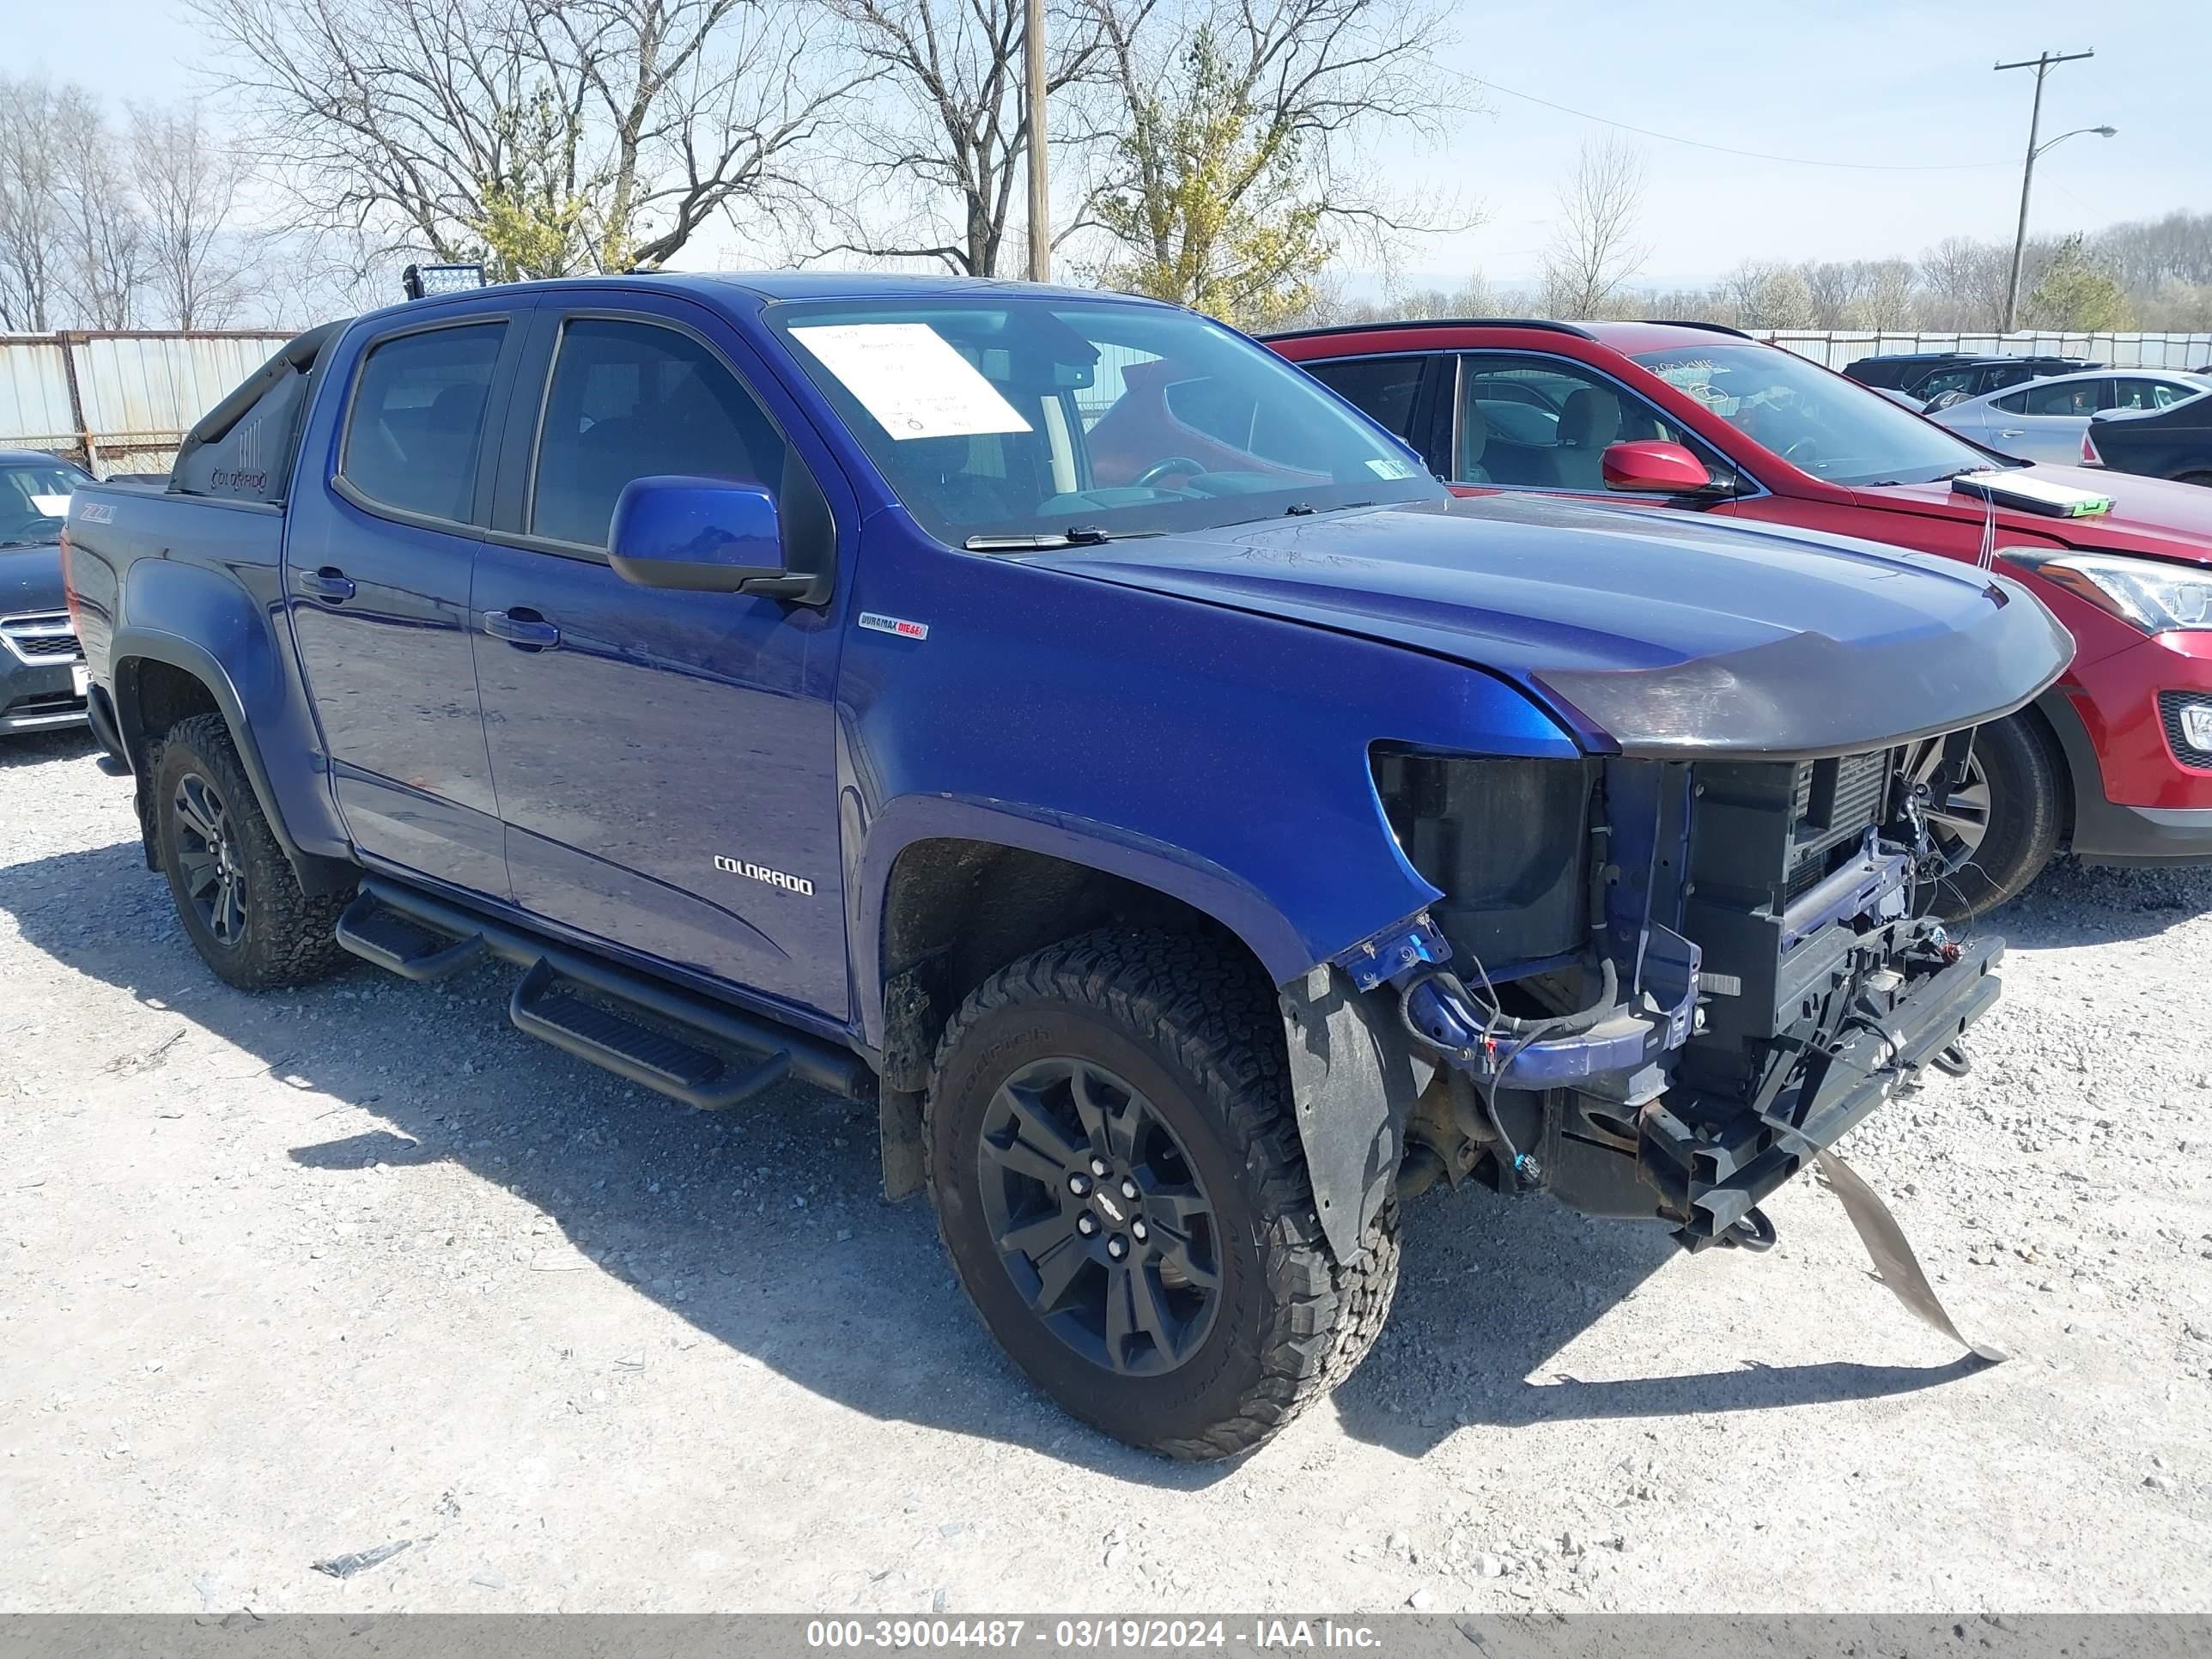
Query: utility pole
pixel 2043 63
pixel 1040 183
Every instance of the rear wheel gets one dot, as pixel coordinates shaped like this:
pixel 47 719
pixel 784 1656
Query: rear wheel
pixel 1120 1187
pixel 1999 827
pixel 241 904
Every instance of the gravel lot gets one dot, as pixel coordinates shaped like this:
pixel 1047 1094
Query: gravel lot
pixel 290 1277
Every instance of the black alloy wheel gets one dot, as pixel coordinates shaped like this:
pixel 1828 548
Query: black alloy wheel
pixel 236 892
pixel 208 859
pixel 1099 1216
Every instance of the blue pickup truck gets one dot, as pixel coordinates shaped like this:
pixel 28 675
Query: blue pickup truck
pixel 1056 719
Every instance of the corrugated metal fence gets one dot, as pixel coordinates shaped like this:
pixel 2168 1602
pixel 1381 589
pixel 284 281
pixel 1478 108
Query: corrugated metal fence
pixel 119 402
pixel 1839 347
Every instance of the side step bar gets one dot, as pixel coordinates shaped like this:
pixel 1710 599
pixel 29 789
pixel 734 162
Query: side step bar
pixel 542 1007
pixel 401 946
pixel 420 937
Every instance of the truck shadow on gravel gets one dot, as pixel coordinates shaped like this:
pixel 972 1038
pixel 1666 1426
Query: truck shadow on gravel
pixel 764 1231
pixel 37 748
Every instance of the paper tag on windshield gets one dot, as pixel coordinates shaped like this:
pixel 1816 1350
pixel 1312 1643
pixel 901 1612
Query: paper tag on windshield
pixel 911 380
pixel 52 506
pixel 1382 467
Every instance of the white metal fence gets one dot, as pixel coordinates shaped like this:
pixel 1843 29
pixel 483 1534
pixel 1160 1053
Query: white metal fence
pixel 1838 347
pixel 119 402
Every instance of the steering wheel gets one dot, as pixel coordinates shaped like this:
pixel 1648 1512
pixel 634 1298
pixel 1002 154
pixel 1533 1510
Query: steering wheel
pixel 1159 469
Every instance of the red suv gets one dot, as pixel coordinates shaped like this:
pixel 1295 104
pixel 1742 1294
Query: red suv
pixel 2115 762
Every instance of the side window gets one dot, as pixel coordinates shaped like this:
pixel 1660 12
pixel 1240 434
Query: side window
pixel 416 425
pixel 1949 379
pixel 2132 394
pixel 2012 402
pixel 2064 397
pixel 1384 389
pixel 634 400
pixel 1544 422
pixel 2165 393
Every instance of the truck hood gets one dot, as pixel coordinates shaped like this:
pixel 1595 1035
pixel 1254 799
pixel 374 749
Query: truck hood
pixel 2149 515
pixel 30 579
pixel 1651 634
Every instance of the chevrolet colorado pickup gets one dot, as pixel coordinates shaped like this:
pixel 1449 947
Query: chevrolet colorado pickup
pixel 1056 718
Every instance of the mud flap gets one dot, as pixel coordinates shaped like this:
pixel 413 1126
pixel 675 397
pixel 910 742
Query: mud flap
pixel 1353 1080
pixel 1894 1264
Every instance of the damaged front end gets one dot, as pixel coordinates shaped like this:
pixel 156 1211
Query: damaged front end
pixel 1657 989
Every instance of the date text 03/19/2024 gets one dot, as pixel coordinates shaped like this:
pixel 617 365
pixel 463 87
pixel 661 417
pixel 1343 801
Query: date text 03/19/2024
pixel 1088 1635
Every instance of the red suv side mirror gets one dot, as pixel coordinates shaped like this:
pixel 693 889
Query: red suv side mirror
pixel 1652 466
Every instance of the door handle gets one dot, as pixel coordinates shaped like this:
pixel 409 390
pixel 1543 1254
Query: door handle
pixel 2012 432
pixel 524 627
pixel 329 583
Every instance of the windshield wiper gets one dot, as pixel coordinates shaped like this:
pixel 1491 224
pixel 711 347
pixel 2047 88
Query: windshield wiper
pixel 1076 535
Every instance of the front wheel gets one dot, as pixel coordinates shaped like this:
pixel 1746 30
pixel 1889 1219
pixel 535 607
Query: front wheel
pixel 1999 827
pixel 241 904
pixel 1120 1184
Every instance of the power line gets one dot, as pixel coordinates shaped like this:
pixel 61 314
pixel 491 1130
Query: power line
pixel 1754 155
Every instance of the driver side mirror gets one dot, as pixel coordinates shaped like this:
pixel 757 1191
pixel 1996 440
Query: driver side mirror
pixel 1650 466
pixel 705 535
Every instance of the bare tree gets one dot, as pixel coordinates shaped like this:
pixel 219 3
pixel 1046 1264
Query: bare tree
pixel 945 145
pixel 188 187
pixel 1764 295
pixel 1963 283
pixel 30 204
pixel 104 240
pixel 1595 249
pixel 1239 141
pixel 547 134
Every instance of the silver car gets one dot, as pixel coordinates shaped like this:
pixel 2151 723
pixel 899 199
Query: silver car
pixel 2044 420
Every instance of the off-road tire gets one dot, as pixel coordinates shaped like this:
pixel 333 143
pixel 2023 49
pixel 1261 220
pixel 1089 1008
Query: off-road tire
pixel 288 937
pixel 1198 1032
pixel 2025 816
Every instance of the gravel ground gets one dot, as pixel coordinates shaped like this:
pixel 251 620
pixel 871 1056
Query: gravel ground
pixel 292 1277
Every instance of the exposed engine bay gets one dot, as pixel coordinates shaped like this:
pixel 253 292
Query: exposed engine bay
pixel 1658 989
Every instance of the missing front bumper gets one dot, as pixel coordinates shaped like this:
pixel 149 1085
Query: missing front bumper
pixel 1712 1163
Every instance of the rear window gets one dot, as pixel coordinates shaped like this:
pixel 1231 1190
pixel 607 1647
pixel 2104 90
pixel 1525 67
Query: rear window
pixel 416 426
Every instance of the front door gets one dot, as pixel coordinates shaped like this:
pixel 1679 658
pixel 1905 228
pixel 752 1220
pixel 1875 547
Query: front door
pixel 377 576
pixel 664 760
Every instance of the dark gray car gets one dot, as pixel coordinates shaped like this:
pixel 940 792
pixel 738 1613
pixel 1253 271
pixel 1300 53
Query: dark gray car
pixel 41 670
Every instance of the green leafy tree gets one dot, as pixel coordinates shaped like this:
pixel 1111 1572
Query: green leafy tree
pixel 2076 295
pixel 1236 140
pixel 1215 213
pixel 535 218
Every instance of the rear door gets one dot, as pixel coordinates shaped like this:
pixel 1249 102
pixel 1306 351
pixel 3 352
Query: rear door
pixel 2048 418
pixel 665 760
pixel 379 555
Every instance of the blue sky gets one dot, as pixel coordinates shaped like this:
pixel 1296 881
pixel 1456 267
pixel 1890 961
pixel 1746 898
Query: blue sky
pixel 1869 81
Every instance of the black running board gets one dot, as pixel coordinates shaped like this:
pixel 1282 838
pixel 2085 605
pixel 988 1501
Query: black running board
pixel 401 946
pixel 544 1007
pixel 419 937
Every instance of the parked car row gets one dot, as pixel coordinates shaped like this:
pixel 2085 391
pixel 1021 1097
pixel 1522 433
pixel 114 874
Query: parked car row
pixel 2046 420
pixel 2114 762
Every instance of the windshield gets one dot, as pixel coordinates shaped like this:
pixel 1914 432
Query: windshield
pixel 34 497
pixel 1821 424
pixel 1002 420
